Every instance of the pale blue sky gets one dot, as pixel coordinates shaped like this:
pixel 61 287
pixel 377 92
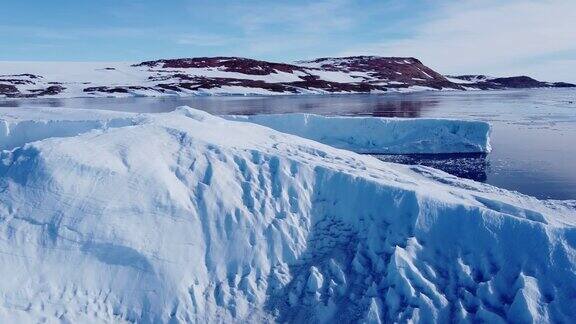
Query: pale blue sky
pixel 495 37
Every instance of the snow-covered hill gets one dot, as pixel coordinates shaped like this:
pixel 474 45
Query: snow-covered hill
pixel 235 76
pixel 484 82
pixel 187 217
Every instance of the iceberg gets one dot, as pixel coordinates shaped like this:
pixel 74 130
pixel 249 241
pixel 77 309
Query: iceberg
pixel 187 217
pixel 20 126
pixel 378 135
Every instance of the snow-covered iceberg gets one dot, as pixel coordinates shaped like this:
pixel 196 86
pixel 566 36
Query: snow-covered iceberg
pixel 187 217
pixel 20 126
pixel 382 135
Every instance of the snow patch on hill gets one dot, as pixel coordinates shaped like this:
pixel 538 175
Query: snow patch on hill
pixel 184 217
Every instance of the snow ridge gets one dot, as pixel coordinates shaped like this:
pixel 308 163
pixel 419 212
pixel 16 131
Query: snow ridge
pixel 187 217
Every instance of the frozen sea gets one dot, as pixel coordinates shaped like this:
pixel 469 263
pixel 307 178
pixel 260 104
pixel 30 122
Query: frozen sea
pixel 533 138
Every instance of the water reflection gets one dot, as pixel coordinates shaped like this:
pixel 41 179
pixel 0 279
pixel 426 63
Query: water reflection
pixel 465 165
pixel 376 105
pixel 9 103
pixel 404 108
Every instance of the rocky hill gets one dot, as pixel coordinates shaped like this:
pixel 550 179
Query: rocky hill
pixel 483 82
pixel 239 76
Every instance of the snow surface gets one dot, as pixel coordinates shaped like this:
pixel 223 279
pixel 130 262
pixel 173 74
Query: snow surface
pixel 471 79
pixel 187 217
pixel 382 135
pixel 20 126
pixel 339 76
pixel 458 81
pixel 75 76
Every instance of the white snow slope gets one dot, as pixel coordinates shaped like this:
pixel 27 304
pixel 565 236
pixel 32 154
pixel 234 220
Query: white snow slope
pixel 382 135
pixel 187 217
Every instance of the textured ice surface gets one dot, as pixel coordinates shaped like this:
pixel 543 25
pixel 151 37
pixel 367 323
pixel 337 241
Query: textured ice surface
pixel 184 217
pixel 21 126
pixel 382 135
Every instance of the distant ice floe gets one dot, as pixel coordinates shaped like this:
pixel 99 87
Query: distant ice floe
pixel 382 135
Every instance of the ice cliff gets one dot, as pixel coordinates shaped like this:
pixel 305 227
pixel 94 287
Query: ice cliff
pixel 382 135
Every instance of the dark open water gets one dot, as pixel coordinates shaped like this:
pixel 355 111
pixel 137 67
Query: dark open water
pixel 533 138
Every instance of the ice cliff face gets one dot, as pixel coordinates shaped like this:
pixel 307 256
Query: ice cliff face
pixel 377 135
pixel 184 217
